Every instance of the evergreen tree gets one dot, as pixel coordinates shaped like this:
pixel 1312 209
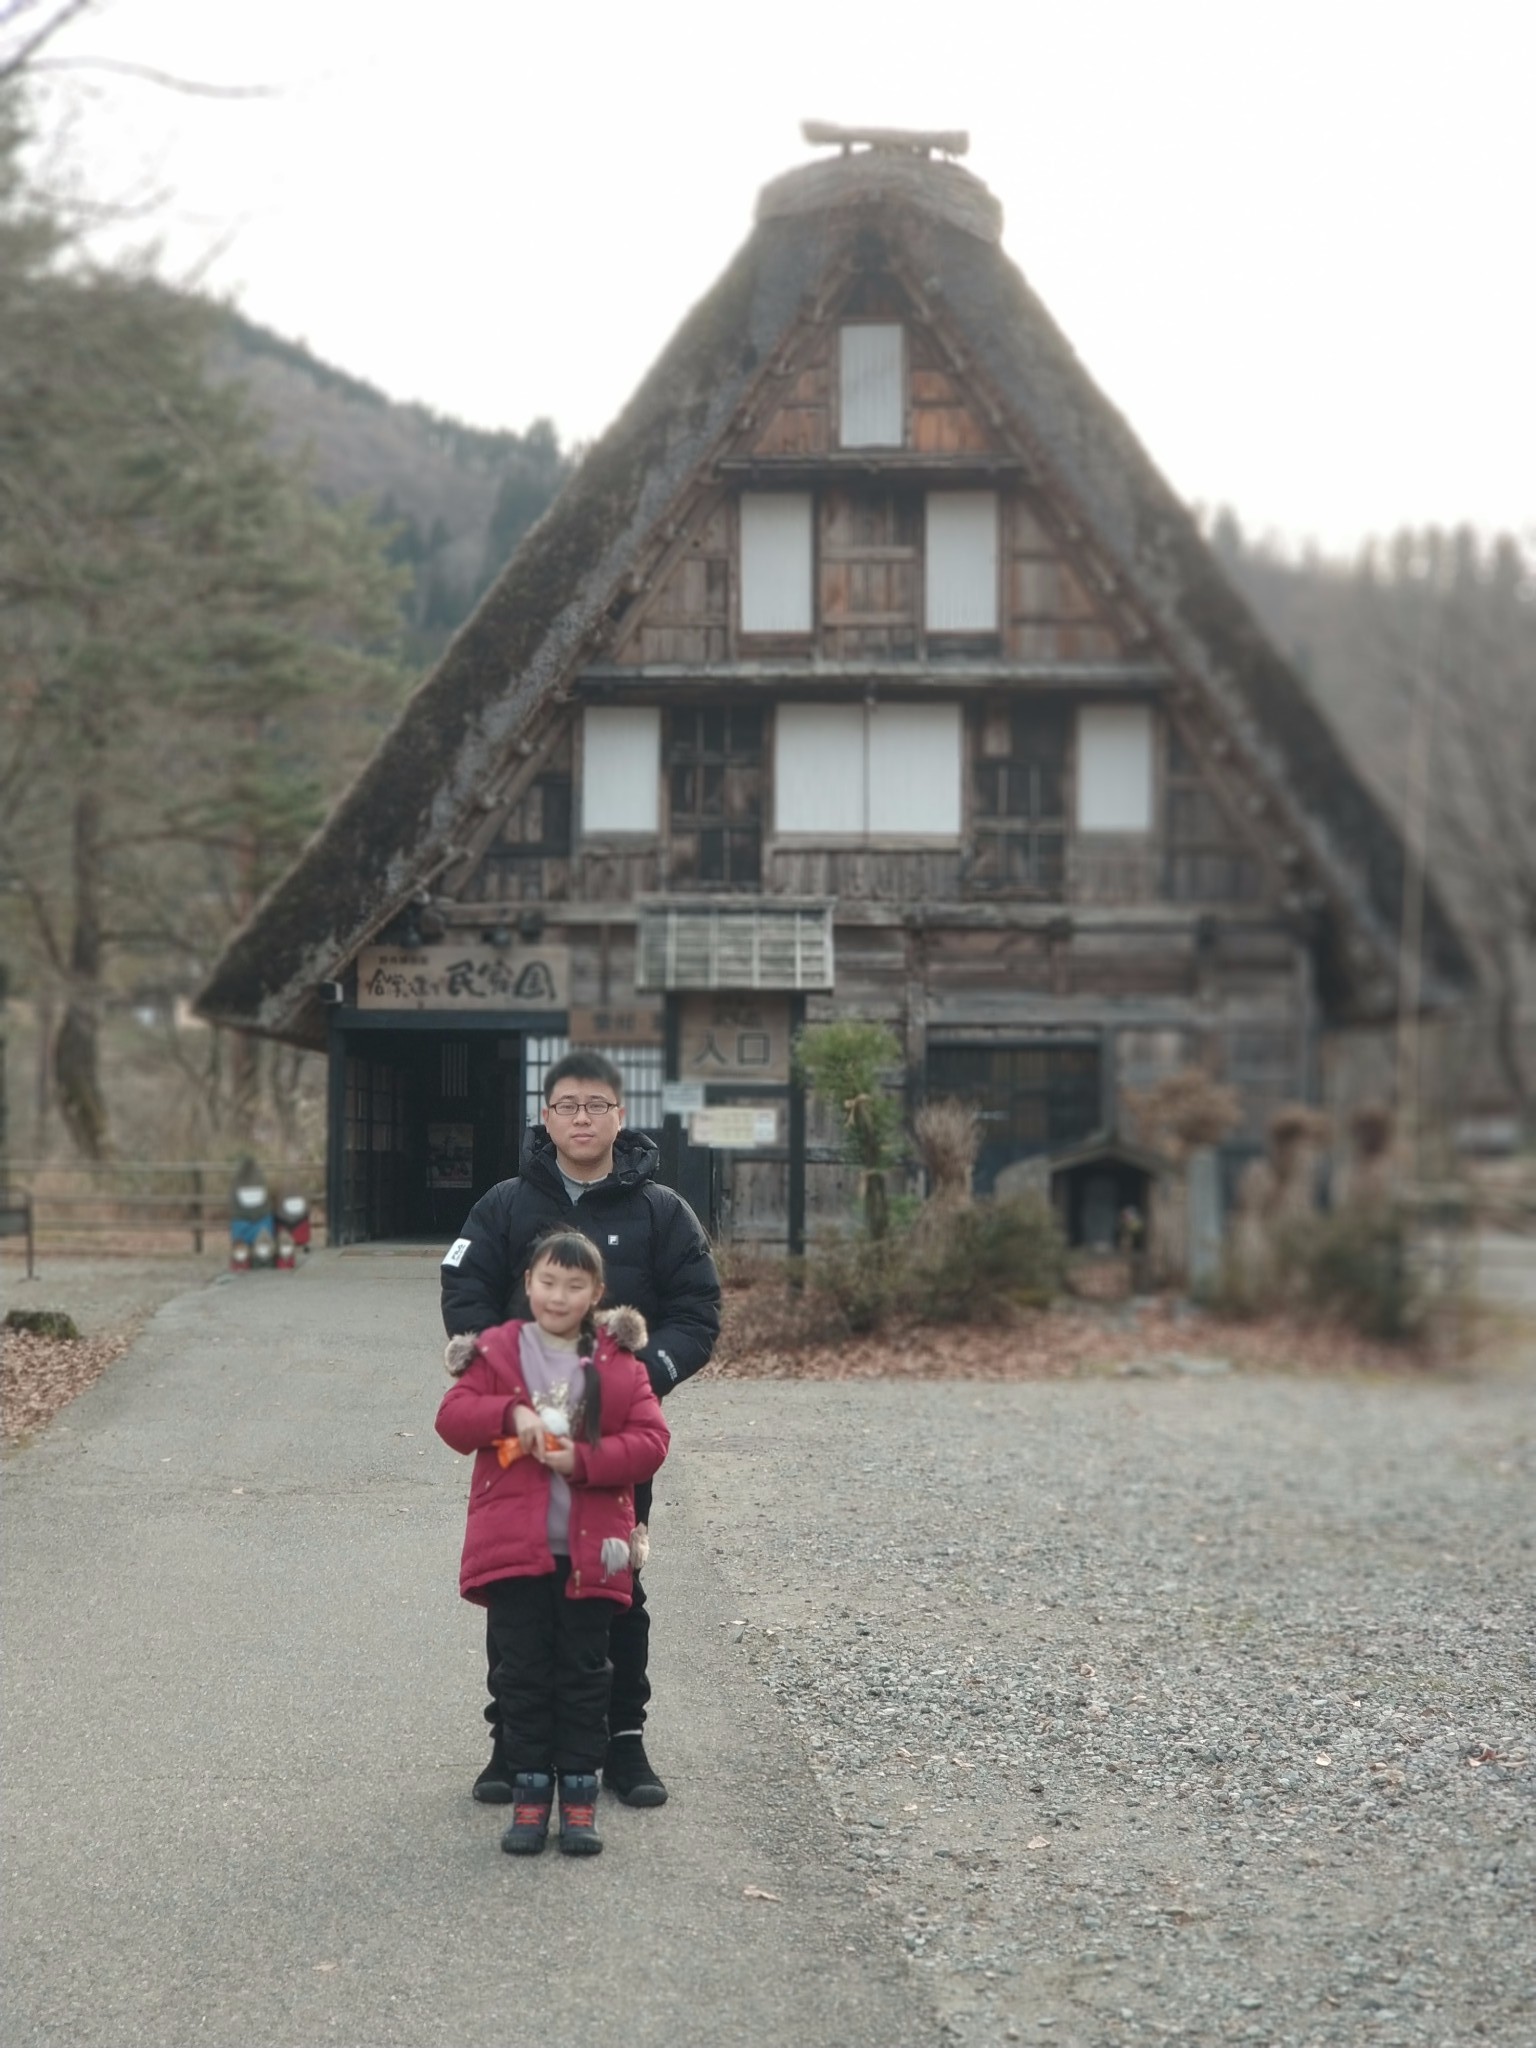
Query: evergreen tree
pixel 193 647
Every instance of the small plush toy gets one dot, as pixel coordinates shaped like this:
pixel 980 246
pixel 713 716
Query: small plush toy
pixel 557 1434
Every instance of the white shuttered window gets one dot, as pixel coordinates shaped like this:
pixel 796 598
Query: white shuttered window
pixel 776 562
pixel 960 562
pixel 851 770
pixel 1114 768
pixel 914 769
pixel 620 769
pixel 818 767
pixel 871 387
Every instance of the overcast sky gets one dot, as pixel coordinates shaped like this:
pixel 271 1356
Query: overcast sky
pixel 1292 243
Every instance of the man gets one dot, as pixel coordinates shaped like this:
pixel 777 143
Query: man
pixel 584 1170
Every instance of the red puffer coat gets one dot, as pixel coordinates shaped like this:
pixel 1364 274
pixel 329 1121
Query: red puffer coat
pixel 507 1532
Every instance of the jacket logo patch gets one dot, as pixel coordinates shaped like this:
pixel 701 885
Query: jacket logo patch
pixel 612 1239
pixel 454 1256
pixel 666 1360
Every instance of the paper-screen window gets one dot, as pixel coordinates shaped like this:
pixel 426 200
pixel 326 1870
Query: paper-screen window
pixel 871 386
pixel 818 768
pixel 960 562
pixel 776 562
pixel 620 769
pixel 852 770
pixel 1114 768
pixel 914 769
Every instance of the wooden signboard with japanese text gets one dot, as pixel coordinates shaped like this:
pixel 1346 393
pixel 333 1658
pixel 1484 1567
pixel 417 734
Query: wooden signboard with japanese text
pixel 473 976
pixel 629 1023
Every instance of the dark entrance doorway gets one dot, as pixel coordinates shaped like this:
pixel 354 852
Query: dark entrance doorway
pixel 423 1122
pixel 1031 1098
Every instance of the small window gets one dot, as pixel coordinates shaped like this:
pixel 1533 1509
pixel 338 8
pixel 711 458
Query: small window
pixel 776 562
pixel 715 795
pixel 849 770
pixel 1019 812
pixel 872 410
pixel 620 762
pixel 1114 768
pixel 960 569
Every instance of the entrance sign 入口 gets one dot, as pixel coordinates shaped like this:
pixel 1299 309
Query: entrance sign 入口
pixel 734 1038
pixel 473 976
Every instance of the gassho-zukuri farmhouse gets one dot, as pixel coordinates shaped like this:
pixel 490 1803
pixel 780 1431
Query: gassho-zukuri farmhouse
pixel 866 667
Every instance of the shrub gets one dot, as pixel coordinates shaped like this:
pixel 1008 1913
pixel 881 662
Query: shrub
pixel 991 1260
pixel 41 1322
pixel 855 1281
pixel 948 1138
pixel 1356 1265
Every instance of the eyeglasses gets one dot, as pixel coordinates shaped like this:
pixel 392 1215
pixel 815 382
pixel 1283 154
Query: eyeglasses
pixel 595 1106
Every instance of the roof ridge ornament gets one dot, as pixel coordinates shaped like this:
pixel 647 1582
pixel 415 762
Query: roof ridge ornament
pixel 949 142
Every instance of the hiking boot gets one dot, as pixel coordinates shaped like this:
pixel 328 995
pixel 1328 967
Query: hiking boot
pixel 578 1815
pixel 627 1773
pixel 493 1787
pixel 531 1793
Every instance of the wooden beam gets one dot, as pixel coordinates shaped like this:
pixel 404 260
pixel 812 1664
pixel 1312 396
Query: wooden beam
pixel 899 677
pixel 913 141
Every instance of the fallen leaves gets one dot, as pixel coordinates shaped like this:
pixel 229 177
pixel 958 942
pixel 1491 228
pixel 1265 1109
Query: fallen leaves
pixel 41 1375
pixel 768 1334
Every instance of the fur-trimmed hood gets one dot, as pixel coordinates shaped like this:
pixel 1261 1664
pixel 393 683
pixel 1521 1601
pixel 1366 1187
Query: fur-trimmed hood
pixel 624 1326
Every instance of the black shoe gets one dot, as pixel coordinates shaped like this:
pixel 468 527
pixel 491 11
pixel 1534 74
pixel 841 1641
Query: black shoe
pixel 578 1816
pixel 493 1787
pixel 532 1793
pixel 627 1772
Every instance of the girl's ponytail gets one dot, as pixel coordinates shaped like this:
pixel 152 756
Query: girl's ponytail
pixel 590 1413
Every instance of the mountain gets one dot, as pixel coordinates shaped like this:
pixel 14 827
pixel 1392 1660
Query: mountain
pixel 456 498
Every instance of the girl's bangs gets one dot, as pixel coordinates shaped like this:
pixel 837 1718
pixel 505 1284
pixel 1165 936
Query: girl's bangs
pixel 570 1249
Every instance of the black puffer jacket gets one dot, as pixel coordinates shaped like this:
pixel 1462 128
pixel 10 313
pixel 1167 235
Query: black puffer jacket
pixel 654 1249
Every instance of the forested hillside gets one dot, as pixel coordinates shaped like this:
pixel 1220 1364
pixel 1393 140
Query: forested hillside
pixel 1422 651
pixel 454 500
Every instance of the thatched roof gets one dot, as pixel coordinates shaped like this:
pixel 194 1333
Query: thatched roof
pixel 545 615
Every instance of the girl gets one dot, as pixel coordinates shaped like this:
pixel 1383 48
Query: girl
pixel 563 1424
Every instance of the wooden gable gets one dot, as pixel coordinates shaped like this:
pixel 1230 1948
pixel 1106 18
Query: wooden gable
pixel 1053 599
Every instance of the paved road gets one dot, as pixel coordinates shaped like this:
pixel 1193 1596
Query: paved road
pixel 1096 1713
pixel 241 1722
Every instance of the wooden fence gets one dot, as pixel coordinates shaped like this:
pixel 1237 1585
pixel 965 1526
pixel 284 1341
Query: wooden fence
pixel 148 1206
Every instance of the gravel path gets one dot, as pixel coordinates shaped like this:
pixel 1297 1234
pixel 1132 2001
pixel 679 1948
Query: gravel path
pixel 1173 1710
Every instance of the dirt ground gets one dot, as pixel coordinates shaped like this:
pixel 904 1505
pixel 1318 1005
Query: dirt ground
pixel 109 1300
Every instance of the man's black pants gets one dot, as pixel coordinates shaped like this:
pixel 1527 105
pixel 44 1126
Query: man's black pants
pixel 552 1673
pixel 629 1648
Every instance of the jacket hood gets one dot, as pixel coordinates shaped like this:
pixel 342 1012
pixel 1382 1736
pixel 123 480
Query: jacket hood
pixel 624 1328
pixel 635 1157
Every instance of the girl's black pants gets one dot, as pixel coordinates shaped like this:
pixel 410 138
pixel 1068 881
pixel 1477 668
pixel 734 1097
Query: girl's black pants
pixel 629 1646
pixel 551 1673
